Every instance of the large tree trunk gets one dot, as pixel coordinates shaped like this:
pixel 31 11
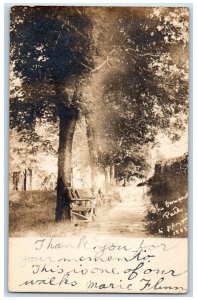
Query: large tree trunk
pixel 93 154
pixel 67 121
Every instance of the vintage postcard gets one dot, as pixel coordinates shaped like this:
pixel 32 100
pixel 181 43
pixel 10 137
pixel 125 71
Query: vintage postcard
pixel 98 172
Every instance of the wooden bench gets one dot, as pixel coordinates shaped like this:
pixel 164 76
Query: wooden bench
pixel 82 209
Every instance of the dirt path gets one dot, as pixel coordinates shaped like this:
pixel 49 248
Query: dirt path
pixel 125 218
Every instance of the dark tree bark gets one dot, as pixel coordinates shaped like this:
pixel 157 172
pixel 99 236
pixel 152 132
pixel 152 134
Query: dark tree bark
pixel 25 180
pixel 30 179
pixel 67 121
pixel 16 176
pixel 93 154
pixel 125 182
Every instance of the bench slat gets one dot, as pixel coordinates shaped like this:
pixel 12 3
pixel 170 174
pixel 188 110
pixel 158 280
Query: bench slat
pixel 81 208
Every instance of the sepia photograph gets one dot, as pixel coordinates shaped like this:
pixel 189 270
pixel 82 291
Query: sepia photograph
pixel 98 147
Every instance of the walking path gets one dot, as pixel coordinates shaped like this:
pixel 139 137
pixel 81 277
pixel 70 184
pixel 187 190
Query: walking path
pixel 126 217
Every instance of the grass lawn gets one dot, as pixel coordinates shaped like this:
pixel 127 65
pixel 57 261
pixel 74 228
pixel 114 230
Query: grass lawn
pixel 32 213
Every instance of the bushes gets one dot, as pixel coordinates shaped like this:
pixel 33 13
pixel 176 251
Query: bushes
pixel 168 190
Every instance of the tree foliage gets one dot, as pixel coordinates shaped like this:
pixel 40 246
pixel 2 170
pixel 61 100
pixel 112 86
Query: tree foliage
pixel 144 85
pixel 48 51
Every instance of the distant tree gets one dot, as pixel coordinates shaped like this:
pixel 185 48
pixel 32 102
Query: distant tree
pixel 30 154
pixel 49 52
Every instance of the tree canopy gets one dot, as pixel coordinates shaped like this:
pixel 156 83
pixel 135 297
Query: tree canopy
pixel 143 88
pixel 49 48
